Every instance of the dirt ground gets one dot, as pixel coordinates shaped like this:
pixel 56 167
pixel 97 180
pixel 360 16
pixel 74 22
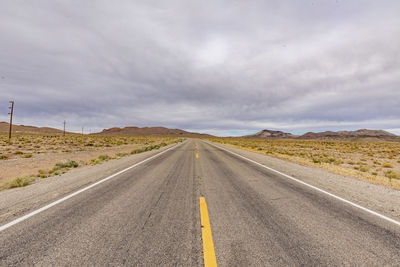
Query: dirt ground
pixel 25 155
pixel 12 168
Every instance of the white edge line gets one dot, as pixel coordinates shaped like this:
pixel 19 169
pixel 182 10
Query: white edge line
pixel 23 218
pixel 314 187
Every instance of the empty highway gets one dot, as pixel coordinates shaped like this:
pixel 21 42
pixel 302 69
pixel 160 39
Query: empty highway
pixel 149 215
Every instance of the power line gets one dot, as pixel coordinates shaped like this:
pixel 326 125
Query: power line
pixel 11 117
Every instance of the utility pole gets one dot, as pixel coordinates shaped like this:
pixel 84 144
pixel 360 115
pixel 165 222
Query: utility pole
pixel 64 126
pixel 11 115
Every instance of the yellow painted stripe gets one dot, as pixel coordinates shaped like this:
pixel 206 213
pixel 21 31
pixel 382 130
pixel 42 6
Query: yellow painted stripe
pixel 208 244
pixel 197 156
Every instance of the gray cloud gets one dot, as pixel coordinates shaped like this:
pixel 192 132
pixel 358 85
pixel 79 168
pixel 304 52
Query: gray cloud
pixel 224 67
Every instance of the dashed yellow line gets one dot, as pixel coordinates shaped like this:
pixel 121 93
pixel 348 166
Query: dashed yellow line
pixel 197 155
pixel 208 244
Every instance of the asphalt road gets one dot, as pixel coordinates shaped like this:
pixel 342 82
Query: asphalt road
pixel 149 216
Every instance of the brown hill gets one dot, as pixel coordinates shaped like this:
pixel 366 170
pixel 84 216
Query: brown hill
pixel 161 131
pixel 4 127
pixel 363 133
pixel 270 134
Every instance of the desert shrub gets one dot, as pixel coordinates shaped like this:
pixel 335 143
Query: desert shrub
pixel 149 148
pixel 104 157
pixel 392 175
pixel 19 182
pixel 135 151
pixel 316 160
pixel 364 168
pixel 387 165
pixel 95 161
pixel 71 164
pixel 28 155
pixel 338 162
pixel 66 164
pixel 59 165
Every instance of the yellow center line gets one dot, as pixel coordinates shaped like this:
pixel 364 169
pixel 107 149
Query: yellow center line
pixel 197 155
pixel 208 244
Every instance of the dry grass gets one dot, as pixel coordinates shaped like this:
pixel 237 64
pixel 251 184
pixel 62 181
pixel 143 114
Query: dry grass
pixel 17 182
pixel 377 162
pixel 26 146
pixel 23 152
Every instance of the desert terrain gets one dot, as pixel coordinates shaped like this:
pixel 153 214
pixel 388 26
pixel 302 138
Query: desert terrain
pixel 41 152
pixel 375 160
pixel 29 156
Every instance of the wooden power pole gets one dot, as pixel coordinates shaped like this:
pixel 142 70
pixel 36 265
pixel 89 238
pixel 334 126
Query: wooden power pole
pixel 64 126
pixel 11 117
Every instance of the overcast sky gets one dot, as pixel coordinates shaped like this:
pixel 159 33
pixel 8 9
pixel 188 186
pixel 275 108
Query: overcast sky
pixel 221 67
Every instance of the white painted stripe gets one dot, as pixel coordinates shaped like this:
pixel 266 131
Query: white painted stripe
pixel 314 187
pixel 23 218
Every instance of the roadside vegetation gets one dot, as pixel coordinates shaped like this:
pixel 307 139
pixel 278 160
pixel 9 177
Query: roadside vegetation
pixel 23 149
pixel 377 162
pixel 27 146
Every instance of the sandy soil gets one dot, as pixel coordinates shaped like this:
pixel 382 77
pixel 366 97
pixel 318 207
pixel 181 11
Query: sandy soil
pixel 16 167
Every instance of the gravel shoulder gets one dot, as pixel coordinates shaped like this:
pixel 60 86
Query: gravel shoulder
pixel 378 198
pixel 19 201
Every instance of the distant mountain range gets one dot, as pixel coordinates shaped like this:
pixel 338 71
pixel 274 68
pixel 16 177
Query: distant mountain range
pixel 162 131
pixel 362 133
pixel 127 131
pixel 137 131
pixel 271 134
pixel 5 126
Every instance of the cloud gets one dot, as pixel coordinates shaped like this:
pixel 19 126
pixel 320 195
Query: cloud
pixel 222 67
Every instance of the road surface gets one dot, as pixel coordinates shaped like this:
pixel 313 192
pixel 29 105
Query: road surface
pixel 150 216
